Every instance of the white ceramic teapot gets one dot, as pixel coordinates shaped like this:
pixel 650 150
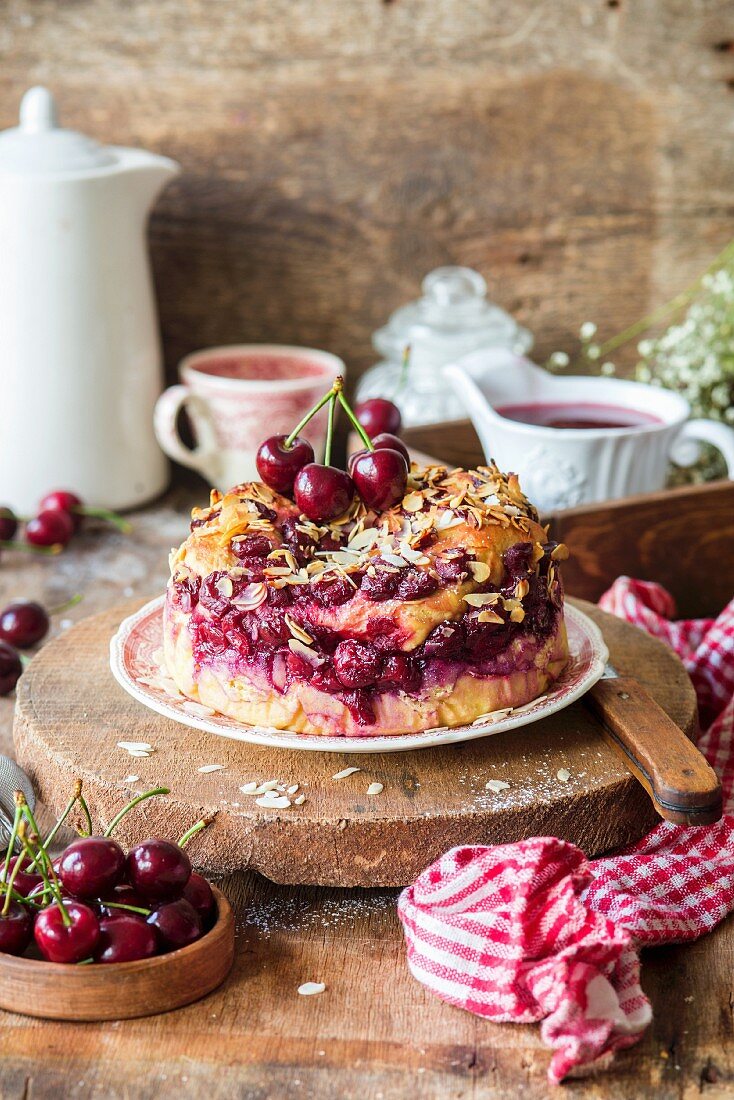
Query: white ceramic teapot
pixel 80 358
pixel 574 439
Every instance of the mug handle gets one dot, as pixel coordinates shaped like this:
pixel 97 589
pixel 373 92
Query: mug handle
pixel 684 452
pixel 165 418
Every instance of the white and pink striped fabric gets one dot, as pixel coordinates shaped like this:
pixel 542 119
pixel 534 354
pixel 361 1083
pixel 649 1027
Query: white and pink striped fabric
pixel 534 931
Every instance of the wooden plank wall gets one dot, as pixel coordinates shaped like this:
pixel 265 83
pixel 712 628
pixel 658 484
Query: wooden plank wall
pixel 577 152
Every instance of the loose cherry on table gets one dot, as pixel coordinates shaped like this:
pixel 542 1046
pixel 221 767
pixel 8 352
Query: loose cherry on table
pixel 62 500
pixel 62 942
pixel 23 623
pixel 8 524
pixel 50 528
pixel 378 415
pixel 11 668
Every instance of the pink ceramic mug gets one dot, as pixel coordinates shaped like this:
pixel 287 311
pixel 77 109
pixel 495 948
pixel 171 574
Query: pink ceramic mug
pixel 235 397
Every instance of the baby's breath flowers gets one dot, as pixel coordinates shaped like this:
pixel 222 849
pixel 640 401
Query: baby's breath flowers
pixel 694 356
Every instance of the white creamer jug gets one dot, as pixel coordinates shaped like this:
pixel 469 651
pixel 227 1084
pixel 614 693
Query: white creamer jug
pixel 80 357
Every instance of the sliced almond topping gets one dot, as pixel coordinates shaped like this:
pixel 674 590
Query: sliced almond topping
pixel 302 650
pixel 297 631
pixel 560 552
pixel 481 599
pixel 489 617
pixel 521 589
pixel 413 502
pixel 251 596
pixel 517 614
pixel 395 559
pixel 479 570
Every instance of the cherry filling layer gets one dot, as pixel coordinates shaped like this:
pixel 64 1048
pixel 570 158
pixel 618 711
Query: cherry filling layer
pixel 281 644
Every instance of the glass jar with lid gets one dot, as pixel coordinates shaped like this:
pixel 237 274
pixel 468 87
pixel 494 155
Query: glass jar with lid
pixel 452 318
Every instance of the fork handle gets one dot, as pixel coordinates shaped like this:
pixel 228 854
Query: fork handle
pixel 682 784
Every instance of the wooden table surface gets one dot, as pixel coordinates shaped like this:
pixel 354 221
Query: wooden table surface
pixel 375 1033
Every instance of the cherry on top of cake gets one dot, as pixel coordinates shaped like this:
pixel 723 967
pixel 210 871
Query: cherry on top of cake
pixel 441 509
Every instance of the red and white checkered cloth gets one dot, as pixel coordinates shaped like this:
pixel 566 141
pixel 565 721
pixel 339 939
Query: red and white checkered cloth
pixel 535 931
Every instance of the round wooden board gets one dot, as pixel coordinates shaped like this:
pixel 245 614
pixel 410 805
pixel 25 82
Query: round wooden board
pixel 70 714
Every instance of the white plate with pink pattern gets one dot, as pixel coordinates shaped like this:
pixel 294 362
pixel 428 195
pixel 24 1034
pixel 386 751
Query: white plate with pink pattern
pixel 136 659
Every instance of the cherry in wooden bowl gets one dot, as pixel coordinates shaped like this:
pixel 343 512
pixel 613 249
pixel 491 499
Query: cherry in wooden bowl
pixel 121 991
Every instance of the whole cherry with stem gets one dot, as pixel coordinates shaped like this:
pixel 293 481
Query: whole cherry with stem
pixel 62 500
pixel 24 623
pixel 50 528
pixel 325 492
pixel 379 473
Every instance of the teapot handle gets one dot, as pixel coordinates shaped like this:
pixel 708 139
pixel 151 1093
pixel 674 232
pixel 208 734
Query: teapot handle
pixel 165 418
pixel 685 452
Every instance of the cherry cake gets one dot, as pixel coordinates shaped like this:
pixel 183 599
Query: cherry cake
pixel 440 609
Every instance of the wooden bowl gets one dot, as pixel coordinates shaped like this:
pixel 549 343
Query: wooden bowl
pixel 119 991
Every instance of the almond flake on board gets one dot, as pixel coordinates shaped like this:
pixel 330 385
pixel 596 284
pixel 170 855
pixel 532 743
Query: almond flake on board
pixel 497 785
pixel 347 771
pixel 249 788
pixel 299 800
pixel 205 769
pixel 139 754
pixel 131 779
pixel 563 774
pixel 132 745
pixel 375 788
pixel 310 989
pixel 279 802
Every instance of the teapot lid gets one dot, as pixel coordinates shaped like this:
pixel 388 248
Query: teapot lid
pixel 39 145
pixel 453 314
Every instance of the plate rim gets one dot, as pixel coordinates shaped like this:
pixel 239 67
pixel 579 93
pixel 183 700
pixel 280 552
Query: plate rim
pixel 285 739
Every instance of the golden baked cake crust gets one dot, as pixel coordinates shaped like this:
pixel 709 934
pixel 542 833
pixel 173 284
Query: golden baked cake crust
pixel 443 608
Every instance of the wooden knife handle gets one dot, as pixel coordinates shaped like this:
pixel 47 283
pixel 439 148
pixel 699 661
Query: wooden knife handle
pixel 682 784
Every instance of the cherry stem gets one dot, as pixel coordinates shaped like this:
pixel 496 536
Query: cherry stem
pixel 403 376
pixel 51 883
pixel 121 524
pixel 25 811
pixel 16 868
pixel 69 807
pixel 65 606
pixel 13 837
pixel 355 423
pixel 125 809
pixel 129 908
pixel 335 389
pixel 28 548
pixel 183 841
pixel 329 430
pixel 88 817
